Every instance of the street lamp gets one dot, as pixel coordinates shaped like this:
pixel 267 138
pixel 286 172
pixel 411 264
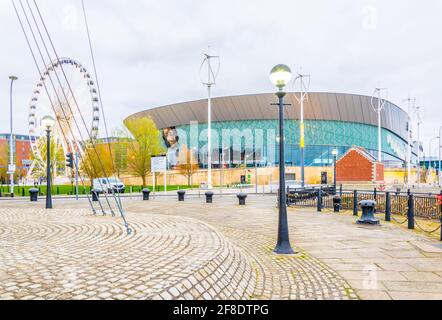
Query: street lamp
pixel 48 122
pixel 280 76
pixel 12 167
pixel 335 153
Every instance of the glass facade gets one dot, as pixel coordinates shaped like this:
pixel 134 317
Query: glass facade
pixel 256 142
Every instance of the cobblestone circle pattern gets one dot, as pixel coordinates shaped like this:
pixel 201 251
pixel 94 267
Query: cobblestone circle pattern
pixel 72 254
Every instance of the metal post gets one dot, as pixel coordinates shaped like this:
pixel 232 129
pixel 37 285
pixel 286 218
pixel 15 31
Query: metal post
pixel 355 203
pixel 418 148
pixel 283 246
pixel 319 200
pixel 439 176
pixel 76 175
pixel 335 159
pixel 11 141
pixel 209 135
pixel 388 207
pixel 440 213
pixel 48 171
pixel 411 212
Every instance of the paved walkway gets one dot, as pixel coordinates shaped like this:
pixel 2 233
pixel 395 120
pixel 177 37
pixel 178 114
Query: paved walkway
pixel 194 250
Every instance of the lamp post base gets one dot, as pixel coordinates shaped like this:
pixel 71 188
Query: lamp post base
pixel 284 248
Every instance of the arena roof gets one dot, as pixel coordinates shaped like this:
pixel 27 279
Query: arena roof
pixel 320 106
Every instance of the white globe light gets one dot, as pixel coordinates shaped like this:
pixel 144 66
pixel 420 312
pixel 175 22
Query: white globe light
pixel 48 122
pixel 335 152
pixel 280 76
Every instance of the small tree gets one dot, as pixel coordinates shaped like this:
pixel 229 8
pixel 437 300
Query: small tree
pixel 144 141
pixel 3 161
pixel 187 164
pixel 97 162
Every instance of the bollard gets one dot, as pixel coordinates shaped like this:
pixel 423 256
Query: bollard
pixel 355 203
pixel 337 201
pixel 319 200
pixel 411 212
pixel 146 194
pixel 95 195
pixel 388 207
pixel 209 197
pixel 242 199
pixel 33 194
pixel 368 209
pixel 181 194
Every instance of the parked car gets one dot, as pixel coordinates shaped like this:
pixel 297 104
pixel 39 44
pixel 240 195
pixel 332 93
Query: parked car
pixel 106 185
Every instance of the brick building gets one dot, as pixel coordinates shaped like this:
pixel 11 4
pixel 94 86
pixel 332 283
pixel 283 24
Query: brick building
pixel 359 166
pixel 22 154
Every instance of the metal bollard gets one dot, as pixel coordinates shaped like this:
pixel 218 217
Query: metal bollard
pixel 95 195
pixel 355 203
pixel 388 207
pixel 337 203
pixel 242 199
pixel 209 197
pixel 146 194
pixel 411 212
pixel 181 194
pixel 33 194
pixel 368 210
pixel 319 200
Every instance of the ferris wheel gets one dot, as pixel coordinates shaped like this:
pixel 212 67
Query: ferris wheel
pixel 67 92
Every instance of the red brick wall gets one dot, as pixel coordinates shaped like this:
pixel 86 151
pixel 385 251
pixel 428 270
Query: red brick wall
pixel 380 172
pixel 23 152
pixel 354 167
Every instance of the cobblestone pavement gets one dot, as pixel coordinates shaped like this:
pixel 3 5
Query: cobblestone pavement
pixel 386 262
pixel 177 251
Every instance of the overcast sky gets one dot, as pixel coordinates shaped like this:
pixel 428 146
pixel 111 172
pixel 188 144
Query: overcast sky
pixel 149 52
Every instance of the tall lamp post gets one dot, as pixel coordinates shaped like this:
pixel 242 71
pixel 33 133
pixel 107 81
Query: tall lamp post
pixel 48 122
pixel 335 153
pixel 280 76
pixel 11 168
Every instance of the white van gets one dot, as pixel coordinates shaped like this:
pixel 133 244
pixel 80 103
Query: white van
pixel 106 185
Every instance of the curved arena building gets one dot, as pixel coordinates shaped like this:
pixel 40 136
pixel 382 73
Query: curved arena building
pixel 245 129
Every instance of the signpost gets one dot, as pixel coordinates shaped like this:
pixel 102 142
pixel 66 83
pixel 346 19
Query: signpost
pixel 159 165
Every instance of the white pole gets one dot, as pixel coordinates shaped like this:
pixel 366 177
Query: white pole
pixel 165 182
pixel 379 130
pixel 153 184
pixel 209 123
pixel 418 150
pixel 440 158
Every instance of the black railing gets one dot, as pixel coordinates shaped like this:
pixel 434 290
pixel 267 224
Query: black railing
pixel 425 205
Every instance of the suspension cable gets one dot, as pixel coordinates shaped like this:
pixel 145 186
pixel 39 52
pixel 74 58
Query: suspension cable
pixel 53 86
pixel 91 50
pixel 44 84
pixel 82 118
